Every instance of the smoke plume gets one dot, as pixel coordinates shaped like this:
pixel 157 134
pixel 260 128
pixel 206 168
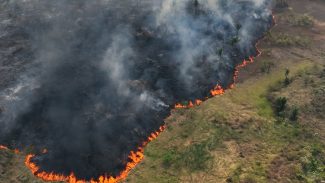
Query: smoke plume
pixel 90 80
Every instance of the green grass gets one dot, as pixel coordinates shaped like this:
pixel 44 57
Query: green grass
pixel 312 164
pixel 255 92
pixel 193 135
pixel 284 39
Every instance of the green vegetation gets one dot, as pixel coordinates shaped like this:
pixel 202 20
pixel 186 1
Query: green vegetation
pixel 280 105
pixel 204 138
pixel 287 80
pixel 195 157
pixel 269 128
pixel 294 114
pixel 266 66
pixel 284 39
pixel 300 20
pixel 312 167
pixel 19 174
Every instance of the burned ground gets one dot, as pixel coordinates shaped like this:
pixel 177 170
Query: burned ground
pixel 90 81
pixel 238 134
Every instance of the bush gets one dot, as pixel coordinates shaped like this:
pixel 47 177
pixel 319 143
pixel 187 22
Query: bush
pixel 294 114
pixel 283 39
pixel 313 165
pixel 266 67
pixel 287 81
pixel 280 105
pixel 301 20
pixel 169 158
pixel 195 157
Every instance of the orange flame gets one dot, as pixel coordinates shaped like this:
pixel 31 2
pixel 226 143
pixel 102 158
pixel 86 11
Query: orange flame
pixel 3 147
pixel 44 151
pixel 16 151
pixel 217 90
pixel 134 159
pixel 189 105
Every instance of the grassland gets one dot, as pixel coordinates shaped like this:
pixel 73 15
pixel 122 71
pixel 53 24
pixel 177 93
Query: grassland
pixel 243 136
pixel 237 137
pixel 269 128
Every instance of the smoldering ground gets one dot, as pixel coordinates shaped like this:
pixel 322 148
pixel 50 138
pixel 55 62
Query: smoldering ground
pixel 99 76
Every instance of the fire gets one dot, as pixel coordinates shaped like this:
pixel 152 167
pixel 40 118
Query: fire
pixel 217 90
pixel 189 105
pixel 44 151
pixel 135 157
pixel 3 147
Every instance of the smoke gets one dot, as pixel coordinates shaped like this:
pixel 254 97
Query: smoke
pixel 99 76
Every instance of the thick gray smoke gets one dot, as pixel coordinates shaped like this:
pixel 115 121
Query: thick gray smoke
pixel 90 80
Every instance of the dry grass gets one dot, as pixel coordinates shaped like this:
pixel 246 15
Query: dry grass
pixel 248 142
pixel 237 137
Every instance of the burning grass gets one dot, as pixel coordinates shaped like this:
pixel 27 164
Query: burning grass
pixel 211 125
pixel 128 67
pixel 135 157
pixel 206 130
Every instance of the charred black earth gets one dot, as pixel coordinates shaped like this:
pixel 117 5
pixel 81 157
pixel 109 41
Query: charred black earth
pixel 90 80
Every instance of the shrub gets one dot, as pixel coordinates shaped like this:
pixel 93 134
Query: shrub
pixel 284 39
pixel 301 20
pixel 266 67
pixel 287 80
pixel 169 158
pixel 195 157
pixel 294 114
pixel 280 105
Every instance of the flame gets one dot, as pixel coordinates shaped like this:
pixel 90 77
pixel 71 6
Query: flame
pixel 189 105
pixel 16 151
pixel 3 147
pixel 135 157
pixel 138 156
pixel 44 151
pixel 217 90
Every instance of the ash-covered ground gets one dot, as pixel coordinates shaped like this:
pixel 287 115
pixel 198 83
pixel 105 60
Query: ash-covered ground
pixel 90 80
